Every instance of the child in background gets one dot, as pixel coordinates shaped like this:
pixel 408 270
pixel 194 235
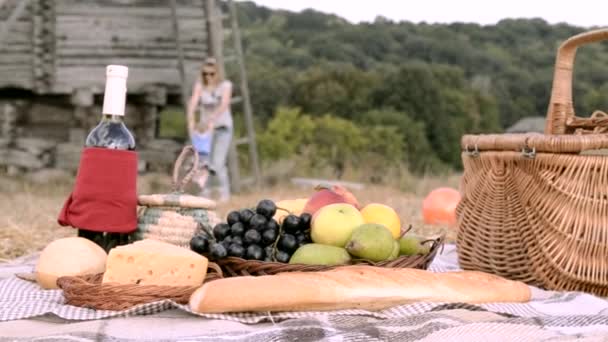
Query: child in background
pixel 202 144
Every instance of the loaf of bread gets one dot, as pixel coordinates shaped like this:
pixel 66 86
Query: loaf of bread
pixel 70 256
pixel 352 287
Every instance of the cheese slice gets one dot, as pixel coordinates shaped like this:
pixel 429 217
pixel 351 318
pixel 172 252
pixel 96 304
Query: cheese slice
pixel 71 256
pixel 152 262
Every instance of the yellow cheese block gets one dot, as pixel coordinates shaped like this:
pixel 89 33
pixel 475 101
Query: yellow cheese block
pixel 152 262
pixel 72 256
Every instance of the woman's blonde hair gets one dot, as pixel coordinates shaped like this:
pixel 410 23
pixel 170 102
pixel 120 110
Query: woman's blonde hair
pixel 210 62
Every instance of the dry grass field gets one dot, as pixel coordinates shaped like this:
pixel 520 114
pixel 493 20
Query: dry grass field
pixel 28 210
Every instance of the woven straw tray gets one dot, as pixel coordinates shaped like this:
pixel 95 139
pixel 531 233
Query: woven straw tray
pixel 232 266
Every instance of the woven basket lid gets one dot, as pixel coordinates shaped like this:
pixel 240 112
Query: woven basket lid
pixel 177 197
pixel 176 200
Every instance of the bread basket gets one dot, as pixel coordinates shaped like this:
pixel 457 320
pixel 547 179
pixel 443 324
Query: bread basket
pixel 88 291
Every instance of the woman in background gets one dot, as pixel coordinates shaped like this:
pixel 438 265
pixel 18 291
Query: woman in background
pixel 212 94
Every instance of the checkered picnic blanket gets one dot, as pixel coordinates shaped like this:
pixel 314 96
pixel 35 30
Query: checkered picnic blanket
pixel 549 314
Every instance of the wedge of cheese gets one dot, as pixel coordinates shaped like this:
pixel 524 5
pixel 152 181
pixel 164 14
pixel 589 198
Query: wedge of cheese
pixel 152 262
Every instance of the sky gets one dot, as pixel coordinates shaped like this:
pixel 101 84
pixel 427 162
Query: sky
pixel 583 13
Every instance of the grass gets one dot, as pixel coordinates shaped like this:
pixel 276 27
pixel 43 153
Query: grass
pixel 29 211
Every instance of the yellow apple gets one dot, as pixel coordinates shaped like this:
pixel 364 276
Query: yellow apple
pixel 333 224
pixel 384 215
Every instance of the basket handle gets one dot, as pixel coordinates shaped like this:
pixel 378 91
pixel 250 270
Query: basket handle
pixel 178 186
pixel 561 108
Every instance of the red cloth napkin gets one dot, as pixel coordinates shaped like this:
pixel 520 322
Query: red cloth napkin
pixel 104 198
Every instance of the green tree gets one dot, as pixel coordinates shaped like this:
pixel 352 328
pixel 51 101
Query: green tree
pixel 414 148
pixel 443 80
pixel 339 89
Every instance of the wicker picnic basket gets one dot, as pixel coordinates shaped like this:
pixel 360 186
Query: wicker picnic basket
pixel 175 217
pixel 535 206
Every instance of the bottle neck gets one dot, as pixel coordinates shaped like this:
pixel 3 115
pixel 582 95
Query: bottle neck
pixel 111 118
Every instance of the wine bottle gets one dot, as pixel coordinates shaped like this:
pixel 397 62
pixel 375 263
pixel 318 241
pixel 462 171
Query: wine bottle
pixel 111 133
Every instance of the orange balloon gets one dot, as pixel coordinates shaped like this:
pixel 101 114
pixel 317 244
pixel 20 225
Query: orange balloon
pixel 439 206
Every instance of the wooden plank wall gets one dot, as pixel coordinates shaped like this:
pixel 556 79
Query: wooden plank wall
pixel 137 33
pixel 16 48
pixel 56 47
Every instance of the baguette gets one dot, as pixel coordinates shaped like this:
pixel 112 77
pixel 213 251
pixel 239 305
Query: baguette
pixel 352 287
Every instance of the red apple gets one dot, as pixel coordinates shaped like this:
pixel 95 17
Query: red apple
pixel 326 195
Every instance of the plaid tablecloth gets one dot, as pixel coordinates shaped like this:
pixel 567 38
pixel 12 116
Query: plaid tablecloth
pixel 547 316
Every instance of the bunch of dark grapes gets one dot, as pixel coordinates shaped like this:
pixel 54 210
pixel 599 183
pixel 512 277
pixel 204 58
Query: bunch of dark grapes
pixel 255 235
pixel 248 234
pixel 295 232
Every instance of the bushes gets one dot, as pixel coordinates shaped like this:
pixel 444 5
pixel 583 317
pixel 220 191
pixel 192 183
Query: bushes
pixel 287 132
pixel 380 140
pixel 430 105
pixel 319 142
pixel 406 138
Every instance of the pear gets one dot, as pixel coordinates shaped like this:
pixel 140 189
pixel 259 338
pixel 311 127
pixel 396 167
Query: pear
pixel 317 254
pixel 371 241
pixel 395 252
pixel 424 249
pixel 411 245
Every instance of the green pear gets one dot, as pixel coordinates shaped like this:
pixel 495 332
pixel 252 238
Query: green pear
pixel 395 252
pixel 411 245
pixel 317 254
pixel 371 241
pixel 425 249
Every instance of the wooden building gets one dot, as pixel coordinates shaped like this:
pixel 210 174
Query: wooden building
pixel 53 56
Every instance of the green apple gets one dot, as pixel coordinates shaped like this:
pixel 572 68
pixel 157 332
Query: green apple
pixel 333 224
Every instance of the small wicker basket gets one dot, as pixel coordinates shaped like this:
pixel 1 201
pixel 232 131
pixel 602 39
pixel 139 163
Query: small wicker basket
pixel 535 206
pixel 175 217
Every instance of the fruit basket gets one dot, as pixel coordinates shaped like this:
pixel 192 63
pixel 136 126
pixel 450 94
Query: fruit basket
pixel 233 266
pixel 534 205
pixel 175 217
pixel 259 241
